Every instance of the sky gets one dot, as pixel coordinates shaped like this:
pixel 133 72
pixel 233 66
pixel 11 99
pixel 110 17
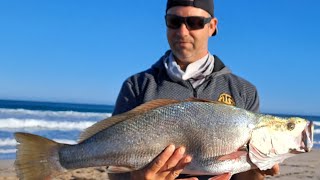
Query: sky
pixel 81 51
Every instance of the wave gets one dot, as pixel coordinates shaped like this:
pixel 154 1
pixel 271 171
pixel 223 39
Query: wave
pixel 316 123
pixel 13 142
pixel 7 151
pixel 12 124
pixel 36 124
pixel 47 113
pixel 8 142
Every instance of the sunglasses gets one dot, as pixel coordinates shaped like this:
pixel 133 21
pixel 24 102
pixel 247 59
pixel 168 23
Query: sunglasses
pixel 191 22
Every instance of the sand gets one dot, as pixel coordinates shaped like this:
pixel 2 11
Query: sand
pixel 300 167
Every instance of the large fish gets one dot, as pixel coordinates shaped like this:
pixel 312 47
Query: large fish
pixel 220 138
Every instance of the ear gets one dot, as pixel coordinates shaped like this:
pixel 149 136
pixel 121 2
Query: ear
pixel 212 26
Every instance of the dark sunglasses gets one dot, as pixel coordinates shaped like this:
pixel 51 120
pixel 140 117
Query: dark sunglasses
pixel 191 22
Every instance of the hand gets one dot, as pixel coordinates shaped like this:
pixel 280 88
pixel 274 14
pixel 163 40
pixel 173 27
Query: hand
pixel 257 174
pixel 167 166
pixel 273 171
pixel 225 176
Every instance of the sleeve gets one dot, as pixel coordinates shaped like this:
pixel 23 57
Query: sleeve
pixel 254 103
pixel 126 100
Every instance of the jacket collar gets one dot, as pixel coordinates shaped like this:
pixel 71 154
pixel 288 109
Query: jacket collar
pixel 218 64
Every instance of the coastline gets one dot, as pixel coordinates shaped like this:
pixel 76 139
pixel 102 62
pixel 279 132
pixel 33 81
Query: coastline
pixel 302 166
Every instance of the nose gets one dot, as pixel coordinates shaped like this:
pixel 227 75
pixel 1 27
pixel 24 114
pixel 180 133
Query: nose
pixel 183 30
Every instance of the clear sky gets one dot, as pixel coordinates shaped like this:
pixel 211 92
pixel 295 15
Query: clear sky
pixel 81 51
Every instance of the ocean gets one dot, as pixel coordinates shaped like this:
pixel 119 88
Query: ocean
pixel 62 122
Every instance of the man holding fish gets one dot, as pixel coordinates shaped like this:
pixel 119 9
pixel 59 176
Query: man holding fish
pixel 187 70
pixel 172 122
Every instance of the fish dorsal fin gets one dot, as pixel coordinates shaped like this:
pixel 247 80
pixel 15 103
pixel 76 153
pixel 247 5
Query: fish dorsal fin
pixel 153 105
pixel 103 124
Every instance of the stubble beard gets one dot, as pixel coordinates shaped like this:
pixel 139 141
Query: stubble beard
pixel 184 53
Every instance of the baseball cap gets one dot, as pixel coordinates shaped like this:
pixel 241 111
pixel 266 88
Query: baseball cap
pixel 206 5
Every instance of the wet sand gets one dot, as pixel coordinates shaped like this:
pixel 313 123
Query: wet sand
pixel 300 167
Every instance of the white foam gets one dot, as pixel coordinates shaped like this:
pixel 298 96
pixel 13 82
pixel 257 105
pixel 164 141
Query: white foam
pixel 7 151
pixel 36 124
pixel 8 142
pixel 41 113
pixel 316 142
pixel 316 123
pixel 13 142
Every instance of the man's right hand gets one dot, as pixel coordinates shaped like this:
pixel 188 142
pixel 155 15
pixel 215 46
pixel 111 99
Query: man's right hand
pixel 166 166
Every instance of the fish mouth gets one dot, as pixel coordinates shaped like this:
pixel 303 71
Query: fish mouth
pixel 306 139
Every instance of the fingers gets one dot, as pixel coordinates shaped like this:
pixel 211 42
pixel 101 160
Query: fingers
pixel 168 165
pixel 276 169
pixel 191 178
pixel 175 164
pixel 225 176
pixel 251 174
pixel 161 160
pixel 183 163
pixel 273 171
pixel 175 158
pixel 180 165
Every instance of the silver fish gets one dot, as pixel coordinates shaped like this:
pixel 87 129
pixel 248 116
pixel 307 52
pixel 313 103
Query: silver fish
pixel 220 138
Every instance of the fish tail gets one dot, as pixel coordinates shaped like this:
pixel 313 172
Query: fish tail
pixel 37 157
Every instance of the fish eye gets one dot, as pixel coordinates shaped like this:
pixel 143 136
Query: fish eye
pixel 291 126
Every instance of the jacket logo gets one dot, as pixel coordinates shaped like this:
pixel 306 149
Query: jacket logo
pixel 226 99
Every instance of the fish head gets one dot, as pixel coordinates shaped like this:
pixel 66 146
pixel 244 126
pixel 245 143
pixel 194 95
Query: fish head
pixel 276 139
pixel 292 135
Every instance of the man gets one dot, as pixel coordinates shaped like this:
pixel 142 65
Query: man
pixel 187 70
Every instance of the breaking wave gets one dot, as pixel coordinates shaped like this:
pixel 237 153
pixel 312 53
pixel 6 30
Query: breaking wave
pixel 40 114
pixel 12 142
pixel 12 124
pixel 7 151
pixel 62 122
pixel 316 123
pixel 7 142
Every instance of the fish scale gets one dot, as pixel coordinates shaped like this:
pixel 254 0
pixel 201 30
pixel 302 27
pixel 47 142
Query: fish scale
pixel 174 124
pixel 220 138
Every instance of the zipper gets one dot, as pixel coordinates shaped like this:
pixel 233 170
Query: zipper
pixel 195 90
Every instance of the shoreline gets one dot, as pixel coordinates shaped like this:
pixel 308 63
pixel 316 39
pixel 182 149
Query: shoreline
pixel 302 166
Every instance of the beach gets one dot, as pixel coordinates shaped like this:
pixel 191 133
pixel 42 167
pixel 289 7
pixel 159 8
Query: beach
pixel 299 167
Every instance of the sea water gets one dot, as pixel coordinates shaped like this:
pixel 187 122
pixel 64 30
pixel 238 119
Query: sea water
pixel 62 122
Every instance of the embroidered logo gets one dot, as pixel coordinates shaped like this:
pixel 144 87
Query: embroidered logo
pixel 227 99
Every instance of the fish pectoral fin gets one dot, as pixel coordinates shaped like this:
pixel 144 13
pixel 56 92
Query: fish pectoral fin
pixel 119 169
pixel 234 155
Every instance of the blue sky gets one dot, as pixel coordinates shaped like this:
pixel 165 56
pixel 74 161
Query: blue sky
pixel 81 51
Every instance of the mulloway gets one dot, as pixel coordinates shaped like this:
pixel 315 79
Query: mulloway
pixel 220 138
